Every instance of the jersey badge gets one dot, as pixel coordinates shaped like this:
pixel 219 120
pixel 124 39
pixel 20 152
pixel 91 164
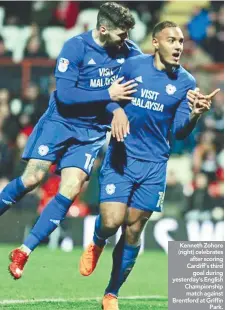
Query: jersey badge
pixel 63 64
pixel 43 150
pixel 110 189
pixel 170 89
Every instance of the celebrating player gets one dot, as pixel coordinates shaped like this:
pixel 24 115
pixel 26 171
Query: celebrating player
pixel 133 176
pixel 73 129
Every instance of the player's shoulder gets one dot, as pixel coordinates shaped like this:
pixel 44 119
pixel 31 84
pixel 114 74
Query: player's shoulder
pixel 138 58
pixel 74 41
pixel 73 48
pixel 131 44
pixel 133 48
pixel 187 77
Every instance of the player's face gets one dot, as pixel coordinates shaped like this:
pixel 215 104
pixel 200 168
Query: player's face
pixel 169 44
pixel 115 37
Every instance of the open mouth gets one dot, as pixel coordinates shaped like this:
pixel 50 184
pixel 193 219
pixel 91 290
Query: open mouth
pixel 176 56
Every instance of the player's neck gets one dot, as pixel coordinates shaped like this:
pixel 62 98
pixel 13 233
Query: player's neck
pixel 97 38
pixel 160 65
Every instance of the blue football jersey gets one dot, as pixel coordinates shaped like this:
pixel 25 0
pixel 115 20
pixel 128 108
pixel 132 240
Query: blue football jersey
pixel 90 67
pixel 159 103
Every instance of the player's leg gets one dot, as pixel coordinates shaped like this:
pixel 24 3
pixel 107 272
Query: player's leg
pixel 72 180
pixel 74 172
pixel 46 145
pixel 115 189
pixel 147 197
pixel 111 217
pixel 73 175
pixel 127 249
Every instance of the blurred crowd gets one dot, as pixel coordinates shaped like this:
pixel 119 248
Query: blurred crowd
pixel 194 190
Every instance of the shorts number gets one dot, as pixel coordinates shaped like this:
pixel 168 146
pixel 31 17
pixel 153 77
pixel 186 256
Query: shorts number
pixel 160 200
pixel 89 162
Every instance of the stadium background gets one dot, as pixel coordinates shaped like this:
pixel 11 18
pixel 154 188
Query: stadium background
pixel 31 36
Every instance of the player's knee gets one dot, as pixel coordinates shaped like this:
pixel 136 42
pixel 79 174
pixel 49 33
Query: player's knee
pixel 70 188
pixel 72 180
pixel 133 233
pixel 112 222
pixel 32 180
pixel 35 172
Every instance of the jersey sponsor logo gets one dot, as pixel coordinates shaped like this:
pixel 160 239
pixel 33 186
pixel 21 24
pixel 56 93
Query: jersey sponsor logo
pixel 110 189
pixel 107 77
pixel 56 222
pixel 43 150
pixel 103 81
pixel 147 104
pixel 7 202
pixel 120 60
pixel 91 62
pixel 149 94
pixel 105 72
pixel 150 104
pixel 170 89
pixel 63 64
pixel 139 79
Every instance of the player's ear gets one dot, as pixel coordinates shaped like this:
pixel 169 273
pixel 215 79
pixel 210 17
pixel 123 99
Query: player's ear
pixel 103 30
pixel 155 43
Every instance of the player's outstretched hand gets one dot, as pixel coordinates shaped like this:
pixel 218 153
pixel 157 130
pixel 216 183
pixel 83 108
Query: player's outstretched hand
pixel 120 125
pixel 202 103
pixel 191 95
pixel 119 92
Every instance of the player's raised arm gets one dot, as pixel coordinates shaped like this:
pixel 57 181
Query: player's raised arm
pixel 185 121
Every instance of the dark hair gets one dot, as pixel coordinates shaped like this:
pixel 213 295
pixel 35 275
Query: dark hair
pixel 162 25
pixel 115 15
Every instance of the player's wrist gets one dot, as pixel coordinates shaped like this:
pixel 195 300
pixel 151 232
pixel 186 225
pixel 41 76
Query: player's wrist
pixel 195 116
pixel 117 110
pixel 112 106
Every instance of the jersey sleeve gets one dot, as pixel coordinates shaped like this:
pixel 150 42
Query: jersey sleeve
pixel 182 115
pixel 70 59
pixel 183 106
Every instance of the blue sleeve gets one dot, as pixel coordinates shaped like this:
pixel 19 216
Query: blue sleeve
pixel 112 106
pixel 182 126
pixel 70 59
pixel 68 94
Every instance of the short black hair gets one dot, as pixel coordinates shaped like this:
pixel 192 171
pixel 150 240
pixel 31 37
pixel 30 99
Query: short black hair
pixel 115 15
pixel 162 25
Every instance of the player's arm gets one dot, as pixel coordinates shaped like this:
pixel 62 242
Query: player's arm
pixel 120 125
pixel 67 74
pixel 186 120
pixel 69 94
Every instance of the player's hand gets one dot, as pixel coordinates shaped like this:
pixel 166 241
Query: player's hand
pixel 118 91
pixel 120 125
pixel 191 96
pixel 203 103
